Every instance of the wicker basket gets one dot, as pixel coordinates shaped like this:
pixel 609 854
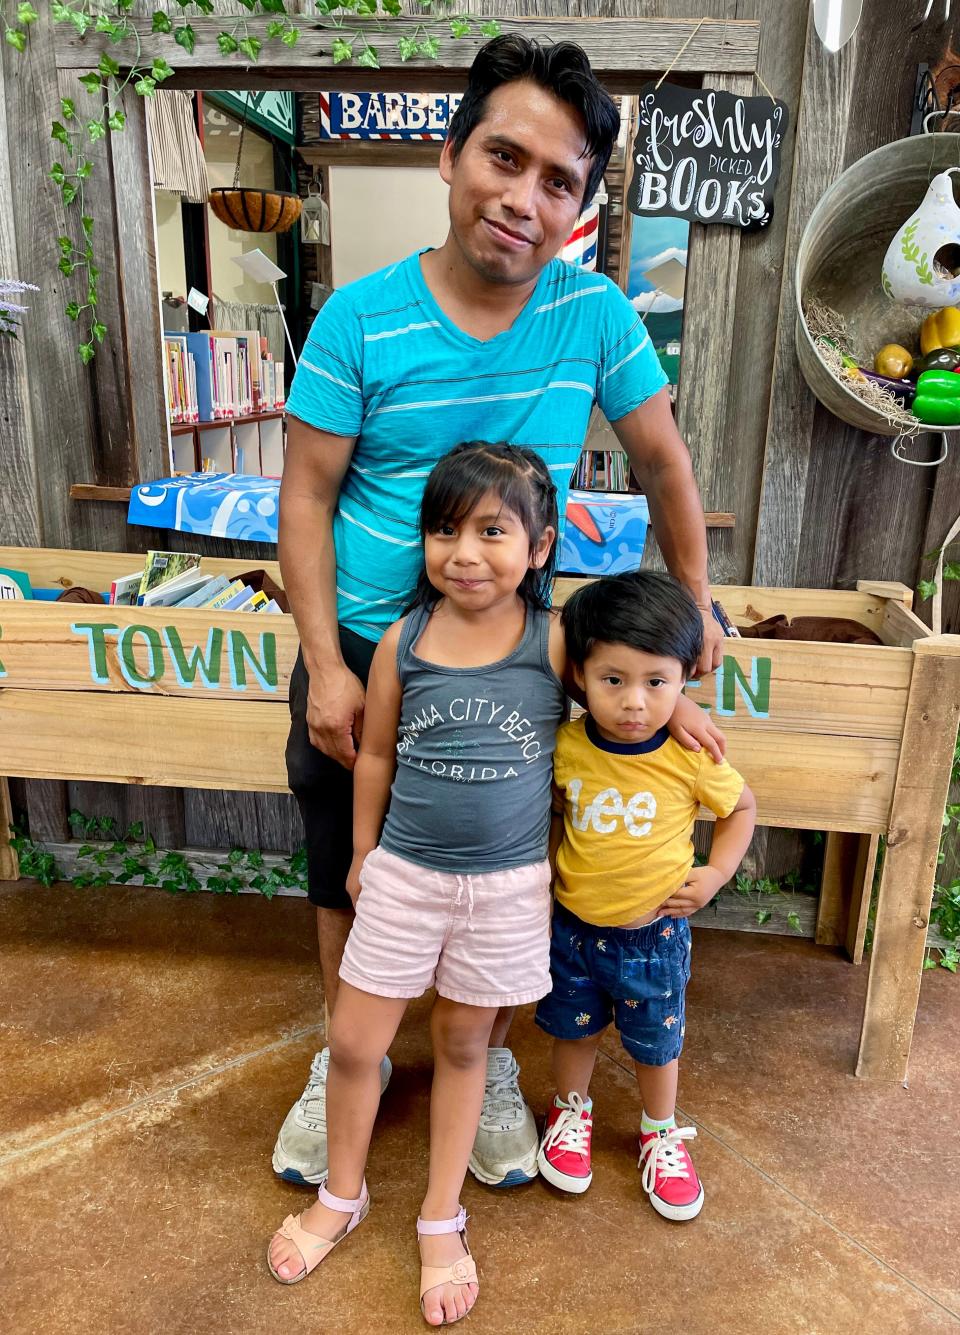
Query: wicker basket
pixel 840 257
pixel 256 210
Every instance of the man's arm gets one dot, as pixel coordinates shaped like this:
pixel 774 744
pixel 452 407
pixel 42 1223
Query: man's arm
pixel 661 462
pixel 314 467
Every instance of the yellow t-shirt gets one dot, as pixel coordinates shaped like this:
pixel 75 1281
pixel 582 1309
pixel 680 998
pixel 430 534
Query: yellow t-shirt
pixel 628 813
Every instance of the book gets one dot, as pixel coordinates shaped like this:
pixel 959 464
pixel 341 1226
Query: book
pixel 271 606
pixel 252 604
pixel 14 585
pixel 230 592
pixel 123 591
pixel 171 591
pixel 206 592
pixel 238 599
pixel 160 567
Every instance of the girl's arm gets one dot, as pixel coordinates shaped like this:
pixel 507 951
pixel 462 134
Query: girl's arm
pixel 731 835
pixel 377 761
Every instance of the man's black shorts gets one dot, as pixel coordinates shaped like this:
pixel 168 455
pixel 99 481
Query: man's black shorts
pixel 324 789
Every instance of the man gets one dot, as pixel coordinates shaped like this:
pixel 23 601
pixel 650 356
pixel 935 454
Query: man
pixel 489 336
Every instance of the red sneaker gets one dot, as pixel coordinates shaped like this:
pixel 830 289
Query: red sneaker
pixel 669 1177
pixel 564 1158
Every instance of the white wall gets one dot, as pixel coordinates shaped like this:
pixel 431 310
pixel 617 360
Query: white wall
pixel 170 262
pixel 380 214
pixel 221 135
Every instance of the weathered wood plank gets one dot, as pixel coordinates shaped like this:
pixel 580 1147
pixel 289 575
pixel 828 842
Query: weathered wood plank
pixel 910 861
pixel 901 626
pixel 616 46
pixel 9 865
pixel 862 894
pixel 836 887
pixel 47 809
pixel 49 567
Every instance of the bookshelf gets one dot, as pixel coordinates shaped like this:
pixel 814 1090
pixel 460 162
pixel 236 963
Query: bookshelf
pixel 251 443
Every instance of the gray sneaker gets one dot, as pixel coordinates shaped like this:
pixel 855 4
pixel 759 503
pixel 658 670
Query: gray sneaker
pixel 506 1145
pixel 300 1154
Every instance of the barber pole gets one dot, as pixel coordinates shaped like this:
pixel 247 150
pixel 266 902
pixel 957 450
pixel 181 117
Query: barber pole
pixel 581 245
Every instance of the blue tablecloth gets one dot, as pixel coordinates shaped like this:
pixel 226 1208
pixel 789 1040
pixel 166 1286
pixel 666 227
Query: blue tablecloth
pixel 223 505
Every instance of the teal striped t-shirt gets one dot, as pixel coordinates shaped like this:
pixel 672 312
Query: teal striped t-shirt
pixel 385 364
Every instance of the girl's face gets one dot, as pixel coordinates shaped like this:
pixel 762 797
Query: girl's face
pixel 481 561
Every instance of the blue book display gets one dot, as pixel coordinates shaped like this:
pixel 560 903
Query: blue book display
pixel 604 533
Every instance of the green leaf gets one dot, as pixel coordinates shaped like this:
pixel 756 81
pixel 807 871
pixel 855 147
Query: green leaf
pixel 67 108
pixel 460 28
pixel 108 66
pixel 92 82
pixel 59 132
pixel 430 48
pixel 106 24
pixel 929 962
pixel 408 47
pixel 79 21
pixel 95 129
pixel 951 570
pixel 392 7
pixel 275 28
pixel 273 6
pixel 73 312
pixel 99 331
pixel 145 86
pixel 369 58
pixel 793 921
pixel 17 38
pixel 291 37
pixel 65 244
pixel 366 7
pixel 926 589
pixel 491 28
pixel 763 916
pixel 949 961
pixel 341 50
pixel 117 120
pixel 69 193
pixel 60 11
pixel 26 13
pixel 186 38
pixel 251 46
pixel 227 43
pixel 161 22
pixel 204 6
pixel 57 173
pixel 86 222
pixel 84 168
pixel 87 352
pixel 160 70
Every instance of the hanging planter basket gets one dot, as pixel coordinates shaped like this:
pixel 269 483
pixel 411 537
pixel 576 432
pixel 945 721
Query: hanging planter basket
pixel 255 210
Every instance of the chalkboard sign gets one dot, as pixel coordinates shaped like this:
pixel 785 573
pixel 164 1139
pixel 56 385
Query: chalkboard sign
pixel 705 155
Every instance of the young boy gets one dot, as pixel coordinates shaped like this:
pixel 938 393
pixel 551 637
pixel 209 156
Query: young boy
pixel 626 795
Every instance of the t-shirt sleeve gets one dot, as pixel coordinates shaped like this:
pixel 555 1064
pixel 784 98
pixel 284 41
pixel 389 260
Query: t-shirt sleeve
pixel 327 390
pixel 718 787
pixel 630 370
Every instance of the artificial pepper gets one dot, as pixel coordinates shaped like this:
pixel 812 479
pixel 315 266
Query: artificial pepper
pixel 938 398
pixel 940 330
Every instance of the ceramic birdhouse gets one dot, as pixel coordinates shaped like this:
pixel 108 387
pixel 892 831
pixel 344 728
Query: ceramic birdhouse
pixel 922 263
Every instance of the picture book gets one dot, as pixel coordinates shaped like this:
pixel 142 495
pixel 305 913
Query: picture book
pixel 160 567
pixel 124 590
pixel 207 591
pixel 238 599
pixel 14 584
pixel 172 590
pixel 230 592
pixel 252 604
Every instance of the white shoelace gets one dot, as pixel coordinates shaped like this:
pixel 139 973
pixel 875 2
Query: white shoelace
pixel 569 1132
pixel 313 1100
pixel 663 1155
pixel 503 1104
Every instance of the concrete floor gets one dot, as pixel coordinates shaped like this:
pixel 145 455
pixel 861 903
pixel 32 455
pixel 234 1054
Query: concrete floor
pixel 150 1045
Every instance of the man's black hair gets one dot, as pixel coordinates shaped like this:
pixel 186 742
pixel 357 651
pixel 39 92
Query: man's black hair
pixel 644 610
pixel 560 67
pixel 521 480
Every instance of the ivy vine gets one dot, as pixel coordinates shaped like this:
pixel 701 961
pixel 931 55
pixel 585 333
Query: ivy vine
pixel 353 23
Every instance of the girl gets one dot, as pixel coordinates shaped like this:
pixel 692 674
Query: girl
pixel 452 884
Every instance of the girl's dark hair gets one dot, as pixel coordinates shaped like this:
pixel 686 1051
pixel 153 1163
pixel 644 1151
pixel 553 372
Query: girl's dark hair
pixel 644 609
pixel 521 480
pixel 560 67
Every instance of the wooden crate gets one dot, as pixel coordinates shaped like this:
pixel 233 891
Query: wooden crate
pixel 852 739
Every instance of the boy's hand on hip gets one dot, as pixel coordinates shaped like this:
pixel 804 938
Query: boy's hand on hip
pixel 698 889
pixel 335 713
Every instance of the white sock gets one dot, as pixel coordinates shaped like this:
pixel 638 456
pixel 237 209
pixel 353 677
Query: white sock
pixel 648 1125
pixel 562 1103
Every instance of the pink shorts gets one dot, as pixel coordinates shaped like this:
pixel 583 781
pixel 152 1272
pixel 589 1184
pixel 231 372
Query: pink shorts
pixel 481 940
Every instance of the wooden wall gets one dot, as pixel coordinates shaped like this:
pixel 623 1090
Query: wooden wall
pixel 817 503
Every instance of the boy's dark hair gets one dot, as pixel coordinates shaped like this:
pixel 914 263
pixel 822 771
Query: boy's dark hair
pixel 519 477
pixel 643 609
pixel 560 67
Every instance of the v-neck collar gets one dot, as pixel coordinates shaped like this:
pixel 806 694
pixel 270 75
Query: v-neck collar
pixel 431 304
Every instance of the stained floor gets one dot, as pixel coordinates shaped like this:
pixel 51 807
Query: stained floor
pixel 150 1045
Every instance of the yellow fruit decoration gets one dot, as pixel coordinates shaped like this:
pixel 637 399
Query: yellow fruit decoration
pixel 893 361
pixel 940 330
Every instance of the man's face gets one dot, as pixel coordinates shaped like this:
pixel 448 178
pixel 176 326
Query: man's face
pixel 518 183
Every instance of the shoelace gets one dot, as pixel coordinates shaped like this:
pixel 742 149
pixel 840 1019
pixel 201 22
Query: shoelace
pixel 502 1101
pixel 569 1132
pixel 664 1156
pixel 313 1100
pixel 465 882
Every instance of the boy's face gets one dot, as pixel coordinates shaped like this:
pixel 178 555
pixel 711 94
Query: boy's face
pixel 630 694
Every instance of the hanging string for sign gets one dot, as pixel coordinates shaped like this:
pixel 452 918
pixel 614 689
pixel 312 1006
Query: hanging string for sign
pixel 756 73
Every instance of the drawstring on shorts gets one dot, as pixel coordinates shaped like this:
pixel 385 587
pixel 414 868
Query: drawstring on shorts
pixel 459 899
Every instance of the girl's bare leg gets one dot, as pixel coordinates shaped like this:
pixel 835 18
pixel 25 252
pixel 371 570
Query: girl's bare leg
pixel 362 1029
pixel 460 1037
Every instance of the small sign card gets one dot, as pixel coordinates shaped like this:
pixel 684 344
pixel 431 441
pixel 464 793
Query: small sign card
pixel 705 155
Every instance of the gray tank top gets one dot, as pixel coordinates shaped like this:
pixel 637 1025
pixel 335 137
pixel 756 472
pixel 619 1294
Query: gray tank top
pixel 474 756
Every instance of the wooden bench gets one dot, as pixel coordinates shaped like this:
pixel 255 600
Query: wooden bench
pixel 854 740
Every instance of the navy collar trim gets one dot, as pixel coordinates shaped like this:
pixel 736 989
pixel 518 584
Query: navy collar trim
pixel 653 743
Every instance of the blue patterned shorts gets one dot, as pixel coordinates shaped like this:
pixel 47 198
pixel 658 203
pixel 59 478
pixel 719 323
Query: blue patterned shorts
pixel 637 978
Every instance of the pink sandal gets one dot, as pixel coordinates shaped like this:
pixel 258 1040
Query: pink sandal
pixel 312 1248
pixel 462 1271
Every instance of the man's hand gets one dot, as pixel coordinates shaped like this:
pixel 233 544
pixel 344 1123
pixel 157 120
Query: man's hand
pixel 711 655
pixel 335 713
pixel 699 888
pixel 693 728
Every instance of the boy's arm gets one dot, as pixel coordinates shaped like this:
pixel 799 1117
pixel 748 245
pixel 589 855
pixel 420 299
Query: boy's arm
pixel 731 836
pixel 556 830
pixel 377 762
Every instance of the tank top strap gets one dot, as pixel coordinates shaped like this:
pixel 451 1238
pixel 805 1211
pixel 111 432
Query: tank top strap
pixel 412 630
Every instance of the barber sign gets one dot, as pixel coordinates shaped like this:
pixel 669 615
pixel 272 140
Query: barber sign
pixel 386 115
pixel 705 155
